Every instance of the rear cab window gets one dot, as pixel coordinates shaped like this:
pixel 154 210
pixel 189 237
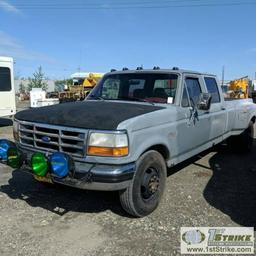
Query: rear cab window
pixel 165 89
pixel 212 88
pixel 5 79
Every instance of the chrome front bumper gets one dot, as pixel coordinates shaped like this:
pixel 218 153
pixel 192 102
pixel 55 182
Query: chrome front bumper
pixel 90 176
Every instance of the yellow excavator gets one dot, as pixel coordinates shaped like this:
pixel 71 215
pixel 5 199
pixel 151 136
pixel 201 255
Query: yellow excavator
pixel 90 82
pixel 239 88
pixel 83 83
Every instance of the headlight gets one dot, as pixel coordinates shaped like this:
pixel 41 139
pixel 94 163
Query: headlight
pixel 16 130
pixel 108 144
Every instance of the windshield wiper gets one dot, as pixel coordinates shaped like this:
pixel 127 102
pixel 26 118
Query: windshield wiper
pixel 96 97
pixel 135 99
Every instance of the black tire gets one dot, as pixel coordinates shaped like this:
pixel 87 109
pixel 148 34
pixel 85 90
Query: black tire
pixel 244 141
pixel 147 187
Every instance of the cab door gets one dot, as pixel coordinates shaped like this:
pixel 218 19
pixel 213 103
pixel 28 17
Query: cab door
pixel 194 128
pixel 7 92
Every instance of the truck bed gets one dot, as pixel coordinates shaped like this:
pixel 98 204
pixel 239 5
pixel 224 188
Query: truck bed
pixel 235 99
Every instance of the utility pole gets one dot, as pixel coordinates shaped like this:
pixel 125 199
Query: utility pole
pixel 80 60
pixel 223 75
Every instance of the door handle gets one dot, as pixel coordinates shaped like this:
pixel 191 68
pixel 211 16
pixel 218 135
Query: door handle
pixel 223 108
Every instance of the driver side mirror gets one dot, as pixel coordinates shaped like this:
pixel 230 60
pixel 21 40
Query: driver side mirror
pixel 204 102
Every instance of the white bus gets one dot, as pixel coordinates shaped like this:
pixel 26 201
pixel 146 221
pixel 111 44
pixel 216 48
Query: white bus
pixel 7 92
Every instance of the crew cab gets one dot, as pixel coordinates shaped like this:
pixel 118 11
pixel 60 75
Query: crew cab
pixel 132 127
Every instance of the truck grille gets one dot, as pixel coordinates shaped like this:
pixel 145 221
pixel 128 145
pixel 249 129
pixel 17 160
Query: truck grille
pixel 53 138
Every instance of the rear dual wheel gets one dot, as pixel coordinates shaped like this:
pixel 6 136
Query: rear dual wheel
pixel 147 187
pixel 244 141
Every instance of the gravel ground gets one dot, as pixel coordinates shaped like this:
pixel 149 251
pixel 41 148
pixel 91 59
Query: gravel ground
pixel 216 188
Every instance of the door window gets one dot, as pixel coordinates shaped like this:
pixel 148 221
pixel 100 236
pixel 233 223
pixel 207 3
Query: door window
pixel 5 79
pixel 185 101
pixel 212 88
pixel 192 93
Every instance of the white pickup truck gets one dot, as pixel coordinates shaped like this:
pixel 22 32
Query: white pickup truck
pixel 7 92
pixel 133 125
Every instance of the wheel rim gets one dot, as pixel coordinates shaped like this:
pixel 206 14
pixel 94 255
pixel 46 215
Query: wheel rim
pixel 150 183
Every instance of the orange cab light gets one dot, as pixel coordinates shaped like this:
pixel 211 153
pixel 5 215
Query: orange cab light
pixel 105 151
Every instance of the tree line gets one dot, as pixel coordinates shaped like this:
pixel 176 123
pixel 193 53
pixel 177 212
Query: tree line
pixel 38 80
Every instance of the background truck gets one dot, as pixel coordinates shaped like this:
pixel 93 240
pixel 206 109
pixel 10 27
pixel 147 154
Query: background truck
pixel 132 127
pixel 7 92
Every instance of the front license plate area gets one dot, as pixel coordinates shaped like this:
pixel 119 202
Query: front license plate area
pixel 46 179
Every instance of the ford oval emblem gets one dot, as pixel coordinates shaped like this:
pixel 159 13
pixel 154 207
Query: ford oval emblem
pixel 46 139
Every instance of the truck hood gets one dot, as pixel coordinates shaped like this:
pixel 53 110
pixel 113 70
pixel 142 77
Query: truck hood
pixel 100 115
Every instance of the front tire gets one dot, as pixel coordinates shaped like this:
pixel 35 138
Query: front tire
pixel 147 187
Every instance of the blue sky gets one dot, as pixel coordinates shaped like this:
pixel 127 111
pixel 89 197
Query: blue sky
pixel 62 40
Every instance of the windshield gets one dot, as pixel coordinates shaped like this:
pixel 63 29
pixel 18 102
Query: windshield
pixel 159 88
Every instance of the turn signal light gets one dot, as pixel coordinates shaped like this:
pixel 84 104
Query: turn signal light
pixel 106 151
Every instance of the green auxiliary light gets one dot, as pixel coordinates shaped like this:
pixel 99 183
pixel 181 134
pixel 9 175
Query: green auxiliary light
pixel 39 164
pixel 14 158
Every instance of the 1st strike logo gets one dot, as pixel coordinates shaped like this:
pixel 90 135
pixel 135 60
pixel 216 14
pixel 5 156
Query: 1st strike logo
pixel 218 237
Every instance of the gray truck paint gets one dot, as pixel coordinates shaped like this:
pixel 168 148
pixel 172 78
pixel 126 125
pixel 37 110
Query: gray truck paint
pixel 172 128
